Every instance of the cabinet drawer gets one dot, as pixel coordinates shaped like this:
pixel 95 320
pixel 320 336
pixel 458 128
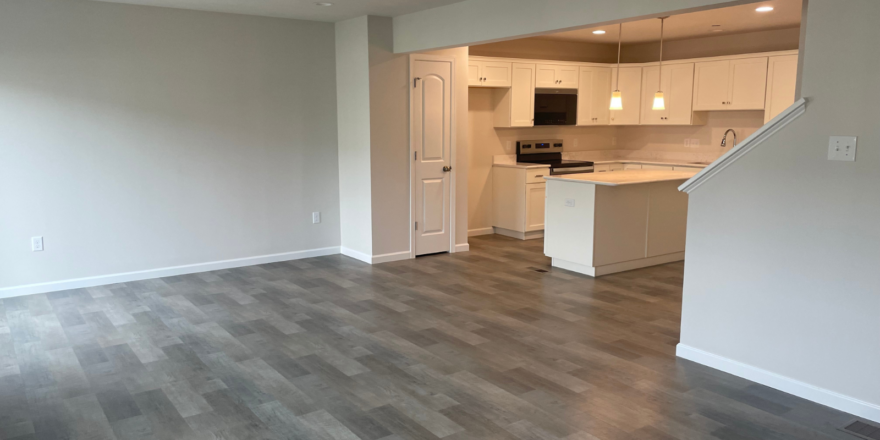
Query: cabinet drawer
pixel 615 167
pixel 537 175
pixel 602 168
pixel 632 166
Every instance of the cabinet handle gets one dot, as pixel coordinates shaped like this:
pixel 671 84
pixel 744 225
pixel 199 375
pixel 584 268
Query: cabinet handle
pixel 538 175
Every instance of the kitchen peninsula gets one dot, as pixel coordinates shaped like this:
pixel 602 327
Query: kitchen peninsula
pixel 602 223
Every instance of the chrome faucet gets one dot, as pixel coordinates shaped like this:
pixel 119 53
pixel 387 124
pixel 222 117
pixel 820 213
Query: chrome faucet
pixel 724 139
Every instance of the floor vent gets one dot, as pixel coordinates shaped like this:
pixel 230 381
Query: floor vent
pixel 863 430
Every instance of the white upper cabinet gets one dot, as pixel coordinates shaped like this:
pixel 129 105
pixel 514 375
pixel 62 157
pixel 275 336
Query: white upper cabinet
pixel 554 76
pixel 488 73
pixel 631 92
pixel 781 84
pixel 594 96
pixel 678 91
pixel 738 84
pixel 515 107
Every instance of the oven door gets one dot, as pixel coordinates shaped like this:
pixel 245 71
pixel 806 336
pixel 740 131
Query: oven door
pixel 571 170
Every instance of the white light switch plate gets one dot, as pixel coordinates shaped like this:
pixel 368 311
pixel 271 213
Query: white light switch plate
pixel 36 244
pixel 569 203
pixel 316 217
pixel 842 148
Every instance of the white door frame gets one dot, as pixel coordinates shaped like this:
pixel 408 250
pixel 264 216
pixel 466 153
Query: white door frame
pixel 452 174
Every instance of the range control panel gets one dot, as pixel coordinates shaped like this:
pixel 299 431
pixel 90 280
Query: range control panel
pixel 539 146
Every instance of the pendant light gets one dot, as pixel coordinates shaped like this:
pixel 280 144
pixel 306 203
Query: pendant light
pixel 659 102
pixel 616 98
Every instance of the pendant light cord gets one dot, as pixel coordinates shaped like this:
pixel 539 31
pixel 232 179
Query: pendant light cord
pixel 619 43
pixel 660 74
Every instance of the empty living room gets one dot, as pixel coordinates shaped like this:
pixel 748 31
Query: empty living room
pixel 439 219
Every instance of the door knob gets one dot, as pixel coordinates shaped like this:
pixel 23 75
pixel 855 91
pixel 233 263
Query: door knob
pixel 447 169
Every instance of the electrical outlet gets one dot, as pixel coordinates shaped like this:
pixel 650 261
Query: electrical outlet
pixel 842 148
pixel 36 244
pixel 569 203
pixel 316 217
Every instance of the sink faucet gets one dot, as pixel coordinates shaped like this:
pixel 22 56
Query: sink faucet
pixel 724 139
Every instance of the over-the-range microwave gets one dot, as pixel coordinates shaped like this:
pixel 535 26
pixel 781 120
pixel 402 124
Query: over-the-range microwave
pixel 555 107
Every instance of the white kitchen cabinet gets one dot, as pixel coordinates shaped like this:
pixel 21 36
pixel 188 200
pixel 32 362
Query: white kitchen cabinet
pixel 535 206
pixel 632 166
pixel 781 84
pixel 678 91
pixel 737 84
pixel 488 73
pixel 594 96
pixel 518 201
pixel 631 93
pixel 556 76
pixel 515 107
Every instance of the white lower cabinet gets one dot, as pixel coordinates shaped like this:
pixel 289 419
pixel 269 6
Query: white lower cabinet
pixel 518 201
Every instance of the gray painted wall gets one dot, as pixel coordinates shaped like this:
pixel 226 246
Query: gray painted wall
pixel 353 102
pixel 784 246
pixel 137 138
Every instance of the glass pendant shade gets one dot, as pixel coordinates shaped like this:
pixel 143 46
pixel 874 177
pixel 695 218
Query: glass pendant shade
pixel 616 101
pixel 659 102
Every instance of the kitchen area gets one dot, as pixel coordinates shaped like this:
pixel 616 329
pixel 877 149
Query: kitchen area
pixel 582 139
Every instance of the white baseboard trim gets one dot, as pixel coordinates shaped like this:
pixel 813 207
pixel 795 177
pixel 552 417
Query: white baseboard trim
pixel 520 235
pixel 463 247
pixel 387 258
pixel 102 280
pixel 616 267
pixel 357 255
pixel 481 231
pixel 374 259
pixel 804 390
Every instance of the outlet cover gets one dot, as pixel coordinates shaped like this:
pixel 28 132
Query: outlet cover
pixel 695 143
pixel 569 203
pixel 36 244
pixel 316 217
pixel 842 148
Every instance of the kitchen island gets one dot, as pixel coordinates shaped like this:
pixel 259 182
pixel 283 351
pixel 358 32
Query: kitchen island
pixel 602 223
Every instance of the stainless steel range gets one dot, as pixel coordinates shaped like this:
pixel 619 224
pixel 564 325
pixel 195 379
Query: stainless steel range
pixel 550 152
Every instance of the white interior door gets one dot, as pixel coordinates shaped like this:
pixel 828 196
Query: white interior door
pixel 432 144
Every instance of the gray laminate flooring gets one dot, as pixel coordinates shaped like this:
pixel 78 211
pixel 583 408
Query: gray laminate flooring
pixel 489 344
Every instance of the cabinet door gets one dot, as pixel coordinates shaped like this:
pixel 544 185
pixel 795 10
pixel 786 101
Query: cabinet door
pixel 495 74
pixel 678 88
pixel 535 193
pixel 567 77
pixel 522 95
pixel 711 85
pixel 594 95
pixel 545 76
pixel 748 84
pixel 631 94
pixel 474 73
pixel 650 85
pixel 781 83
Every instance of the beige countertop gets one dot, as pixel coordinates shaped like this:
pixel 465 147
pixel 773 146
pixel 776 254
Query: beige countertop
pixel 630 177
pixel 655 162
pixel 521 165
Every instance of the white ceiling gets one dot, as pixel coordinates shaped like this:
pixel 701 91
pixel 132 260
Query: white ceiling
pixel 300 9
pixel 736 19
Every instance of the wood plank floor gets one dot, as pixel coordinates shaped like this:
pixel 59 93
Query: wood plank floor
pixel 488 344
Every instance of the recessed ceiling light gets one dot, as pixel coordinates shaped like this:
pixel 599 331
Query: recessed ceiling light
pixel 599 32
pixel 323 4
pixel 765 9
